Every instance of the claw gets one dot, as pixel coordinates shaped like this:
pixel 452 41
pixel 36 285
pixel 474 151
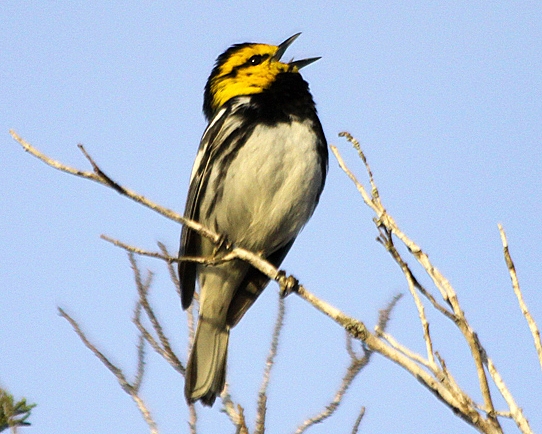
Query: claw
pixel 222 245
pixel 287 284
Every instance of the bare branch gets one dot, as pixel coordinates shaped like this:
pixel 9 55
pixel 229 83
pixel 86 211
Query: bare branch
pixel 99 177
pixel 357 363
pixel 357 423
pixel 458 318
pixel 234 412
pixel 125 385
pixel 262 395
pixel 140 363
pixel 438 380
pixel 465 407
pixel 164 348
pixel 382 217
pixel 522 305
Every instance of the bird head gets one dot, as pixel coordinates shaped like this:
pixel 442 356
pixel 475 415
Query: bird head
pixel 247 69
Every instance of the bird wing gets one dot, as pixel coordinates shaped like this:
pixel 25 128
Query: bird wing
pixel 252 286
pixel 221 134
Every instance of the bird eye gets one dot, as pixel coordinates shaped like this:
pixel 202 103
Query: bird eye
pixel 255 60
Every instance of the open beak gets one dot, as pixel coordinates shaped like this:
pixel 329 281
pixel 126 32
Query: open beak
pixel 297 63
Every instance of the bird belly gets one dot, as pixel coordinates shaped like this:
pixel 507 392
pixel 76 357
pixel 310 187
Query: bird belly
pixel 270 188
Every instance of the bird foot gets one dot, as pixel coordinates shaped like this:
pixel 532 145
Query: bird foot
pixel 288 284
pixel 221 246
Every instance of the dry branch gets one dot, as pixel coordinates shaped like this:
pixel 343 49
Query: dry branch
pixel 357 423
pixel 435 377
pixel 522 305
pixel 100 177
pixel 357 363
pixel 269 363
pixel 468 410
pixel 130 389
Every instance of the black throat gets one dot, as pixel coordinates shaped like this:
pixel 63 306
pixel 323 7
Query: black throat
pixel 287 98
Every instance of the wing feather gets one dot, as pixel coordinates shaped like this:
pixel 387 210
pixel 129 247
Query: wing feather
pixel 219 135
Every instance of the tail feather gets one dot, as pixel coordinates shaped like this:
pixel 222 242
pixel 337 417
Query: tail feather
pixel 206 368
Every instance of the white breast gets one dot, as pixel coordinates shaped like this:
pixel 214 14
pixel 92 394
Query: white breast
pixel 271 187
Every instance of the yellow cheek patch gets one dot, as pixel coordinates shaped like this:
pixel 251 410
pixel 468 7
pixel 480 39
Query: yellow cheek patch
pixel 238 77
pixel 242 56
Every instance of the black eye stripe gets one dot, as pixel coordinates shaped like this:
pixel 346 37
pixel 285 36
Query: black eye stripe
pixel 255 60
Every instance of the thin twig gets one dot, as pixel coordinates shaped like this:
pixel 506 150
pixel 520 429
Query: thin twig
pixel 357 363
pixel 140 363
pixel 125 385
pixel 193 415
pixel 168 259
pixel 374 189
pixel 387 241
pixel 357 423
pixel 99 177
pixel 172 273
pixel 118 188
pixel 468 411
pixel 269 363
pixel 404 350
pixel 234 412
pixel 142 289
pixel 136 319
pixel 516 411
pixel 349 347
pixel 446 377
pixel 522 305
pixel 192 420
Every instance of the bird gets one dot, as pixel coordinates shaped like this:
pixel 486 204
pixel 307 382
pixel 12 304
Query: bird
pixel 258 175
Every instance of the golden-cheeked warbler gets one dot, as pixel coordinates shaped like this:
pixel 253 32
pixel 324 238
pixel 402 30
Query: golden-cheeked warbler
pixel 256 180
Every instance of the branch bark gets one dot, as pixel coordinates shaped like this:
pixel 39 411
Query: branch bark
pixel 435 377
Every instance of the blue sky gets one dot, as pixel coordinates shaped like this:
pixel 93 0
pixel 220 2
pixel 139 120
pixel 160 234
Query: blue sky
pixel 446 100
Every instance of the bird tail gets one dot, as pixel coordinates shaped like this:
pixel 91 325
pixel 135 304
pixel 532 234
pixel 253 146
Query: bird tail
pixel 206 368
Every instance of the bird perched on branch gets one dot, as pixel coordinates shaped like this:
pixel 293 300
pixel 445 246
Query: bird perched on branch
pixel 257 178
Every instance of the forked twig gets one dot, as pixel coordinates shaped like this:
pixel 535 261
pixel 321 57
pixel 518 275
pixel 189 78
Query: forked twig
pixel 439 381
pixel 100 177
pixel 130 389
pixel 163 347
pixel 386 240
pixel 468 410
pixel 357 363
